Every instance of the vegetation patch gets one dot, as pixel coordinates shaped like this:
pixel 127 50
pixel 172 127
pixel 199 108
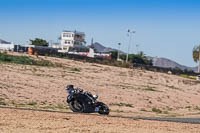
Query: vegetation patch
pixel 156 110
pixel 188 76
pixel 165 112
pixel 148 88
pixel 121 104
pixel 23 60
pixel 61 107
pixel 75 69
pixel 32 103
pixel 48 107
pixel 144 110
pixel 57 107
pixel 188 107
pixel 20 105
pixel 134 58
pixel 2 102
pixel 197 108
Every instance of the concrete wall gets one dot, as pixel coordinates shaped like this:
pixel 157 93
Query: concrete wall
pixel 6 46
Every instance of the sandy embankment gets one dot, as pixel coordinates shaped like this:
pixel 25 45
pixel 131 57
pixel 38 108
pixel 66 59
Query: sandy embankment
pixel 128 92
pixel 18 121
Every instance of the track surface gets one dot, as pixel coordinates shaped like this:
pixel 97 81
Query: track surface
pixel 177 120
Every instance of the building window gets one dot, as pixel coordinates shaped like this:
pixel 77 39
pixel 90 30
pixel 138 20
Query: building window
pixel 67 42
pixel 66 35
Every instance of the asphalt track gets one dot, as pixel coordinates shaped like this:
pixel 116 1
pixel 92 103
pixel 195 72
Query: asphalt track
pixel 166 119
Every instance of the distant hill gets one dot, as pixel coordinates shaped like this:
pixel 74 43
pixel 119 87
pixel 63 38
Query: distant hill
pixel 167 63
pixel 4 42
pixel 102 49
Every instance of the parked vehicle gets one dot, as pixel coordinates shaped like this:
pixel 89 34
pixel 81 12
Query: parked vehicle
pixel 84 102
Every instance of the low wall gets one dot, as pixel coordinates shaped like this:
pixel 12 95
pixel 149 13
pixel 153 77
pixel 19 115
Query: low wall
pixel 164 70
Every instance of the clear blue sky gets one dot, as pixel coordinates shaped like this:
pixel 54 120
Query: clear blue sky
pixel 164 28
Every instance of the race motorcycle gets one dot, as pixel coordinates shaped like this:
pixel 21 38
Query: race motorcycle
pixel 84 102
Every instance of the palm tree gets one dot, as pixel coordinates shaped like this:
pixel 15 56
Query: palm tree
pixel 196 55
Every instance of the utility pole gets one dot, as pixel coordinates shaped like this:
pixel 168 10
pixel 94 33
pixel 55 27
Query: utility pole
pixel 130 35
pixel 118 52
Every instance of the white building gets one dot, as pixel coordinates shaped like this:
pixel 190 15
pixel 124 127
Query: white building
pixel 56 45
pixel 71 39
pixel 6 45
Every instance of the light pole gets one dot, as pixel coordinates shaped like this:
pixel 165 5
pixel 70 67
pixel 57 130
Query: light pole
pixel 118 52
pixel 130 35
pixel 137 48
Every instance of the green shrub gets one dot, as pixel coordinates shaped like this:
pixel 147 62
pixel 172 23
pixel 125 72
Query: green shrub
pixel 76 69
pixel 32 103
pixel 137 59
pixel 156 110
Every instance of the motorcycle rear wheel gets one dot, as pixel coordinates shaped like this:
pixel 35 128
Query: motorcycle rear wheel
pixel 76 106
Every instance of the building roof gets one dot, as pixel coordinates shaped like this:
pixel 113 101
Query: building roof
pixel 4 42
pixel 76 32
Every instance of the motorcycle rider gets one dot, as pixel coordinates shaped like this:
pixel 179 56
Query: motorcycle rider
pixel 70 89
pixel 84 101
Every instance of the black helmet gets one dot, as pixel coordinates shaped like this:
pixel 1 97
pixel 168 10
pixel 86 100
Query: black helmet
pixel 69 87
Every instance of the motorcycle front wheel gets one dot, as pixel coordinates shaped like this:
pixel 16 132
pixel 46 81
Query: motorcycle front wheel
pixel 103 108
